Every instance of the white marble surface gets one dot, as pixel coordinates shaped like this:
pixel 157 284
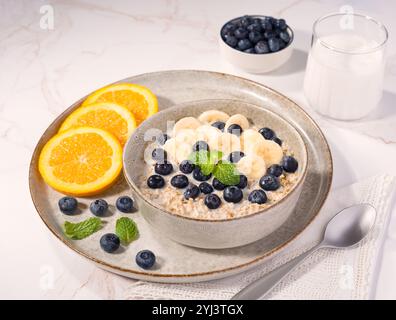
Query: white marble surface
pixel 97 42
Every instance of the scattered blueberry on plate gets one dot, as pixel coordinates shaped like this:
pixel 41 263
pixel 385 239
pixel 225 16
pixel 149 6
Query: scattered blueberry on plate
pixel 145 259
pixel 99 207
pixel 163 168
pixel 256 35
pixel 269 182
pixel 179 181
pixel 257 196
pixel 289 164
pixel 205 188
pixel 191 192
pixel 155 181
pixel 186 166
pixel 68 205
pixel 212 201
pixel 109 242
pixel 124 204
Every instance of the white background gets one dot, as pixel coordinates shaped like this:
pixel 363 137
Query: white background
pixel 94 43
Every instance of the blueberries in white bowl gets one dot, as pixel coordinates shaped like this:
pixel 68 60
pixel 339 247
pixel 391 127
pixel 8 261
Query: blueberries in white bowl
pixel 257 34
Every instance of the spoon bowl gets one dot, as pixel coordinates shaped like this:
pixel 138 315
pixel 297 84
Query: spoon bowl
pixel 349 226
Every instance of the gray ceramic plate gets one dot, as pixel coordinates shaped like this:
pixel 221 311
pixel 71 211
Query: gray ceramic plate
pixel 178 263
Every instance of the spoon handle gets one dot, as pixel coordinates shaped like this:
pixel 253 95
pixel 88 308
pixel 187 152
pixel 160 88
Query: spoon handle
pixel 258 289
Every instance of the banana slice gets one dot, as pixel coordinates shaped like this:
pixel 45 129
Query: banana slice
pixel 252 166
pixel 229 142
pixel 249 139
pixel 269 150
pixel 183 150
pixel 239 120
pixel 170 148
pixel 185 123
pixel 188 136
pixel 211 116
pixel 209 134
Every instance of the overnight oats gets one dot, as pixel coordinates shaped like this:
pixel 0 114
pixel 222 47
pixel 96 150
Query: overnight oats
pixel 218 166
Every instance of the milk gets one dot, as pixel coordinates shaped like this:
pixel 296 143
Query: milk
pixel 344 85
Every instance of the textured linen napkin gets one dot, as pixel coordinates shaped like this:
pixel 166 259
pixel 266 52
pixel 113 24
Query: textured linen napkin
pixel 326 274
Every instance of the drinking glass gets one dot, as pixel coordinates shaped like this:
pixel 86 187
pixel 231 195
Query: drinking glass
pixel 345 69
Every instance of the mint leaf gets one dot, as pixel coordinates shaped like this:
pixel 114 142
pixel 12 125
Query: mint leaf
pixel 126 230
pixel 226 173
pixel 83 229
pixel 206 160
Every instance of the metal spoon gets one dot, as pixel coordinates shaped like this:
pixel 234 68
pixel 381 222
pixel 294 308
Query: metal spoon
pixel 344 230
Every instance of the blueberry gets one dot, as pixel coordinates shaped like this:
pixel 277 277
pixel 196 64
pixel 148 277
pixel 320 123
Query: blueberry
pixel 241 33
pixel 269 182
pixel 124 204
pixel 212 201
pixel 163 168
pixel 242 182
pixel 199 176
pixel 269 35
pixel 275 170
pixel 235 129
pixel 256 27
pixel 192 192
pixel 280 24
pixel 162 138
pixel 205 188
pixel 145 259
pixel 274 44
pixel 245 21
pixel 257 196
pixel 255 36
pixel 257 20
pixel 267 133
pixel 109 242
pixel 159 155
pixel 229 28
pixel 244 44
pixel 155 181
pixel 284 35
pixel 179 181
pixel 261 47
pixel 266 25
pixel 232 194
pixel 219 125
pixel 235 156
pixel 231 41
pixel 99 207
pixel 289 164
pixel 277 140
pixel 200 145
pixel 250 50
pixel 282 44
pixel 217 184
pixel 68 205
pixel 186 166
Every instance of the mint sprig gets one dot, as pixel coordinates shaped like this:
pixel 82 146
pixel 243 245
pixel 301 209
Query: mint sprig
pixel 126 229
pixel 226 173
pixel 83 229
pixel 206 160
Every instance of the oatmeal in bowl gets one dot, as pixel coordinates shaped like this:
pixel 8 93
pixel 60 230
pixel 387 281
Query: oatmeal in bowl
pixel 216 173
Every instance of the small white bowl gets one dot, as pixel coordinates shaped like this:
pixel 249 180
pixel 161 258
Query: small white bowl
pixel 254 62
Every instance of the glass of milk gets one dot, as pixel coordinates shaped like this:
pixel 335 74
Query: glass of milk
pixel 345 69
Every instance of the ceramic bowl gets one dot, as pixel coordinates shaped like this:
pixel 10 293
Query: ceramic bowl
pixel 213 234
pixel 255 63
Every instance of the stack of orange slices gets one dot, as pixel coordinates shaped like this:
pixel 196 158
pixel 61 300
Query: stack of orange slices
pixel 85 156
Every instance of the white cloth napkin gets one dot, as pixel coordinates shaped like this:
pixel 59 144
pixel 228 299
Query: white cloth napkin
pixel 326 274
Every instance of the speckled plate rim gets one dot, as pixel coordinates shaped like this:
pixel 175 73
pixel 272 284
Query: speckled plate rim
pixel 193 277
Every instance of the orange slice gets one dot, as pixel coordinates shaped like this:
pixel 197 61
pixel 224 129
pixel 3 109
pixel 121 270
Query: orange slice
pixel 136 98
pixel 108 116
pixel 81 161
